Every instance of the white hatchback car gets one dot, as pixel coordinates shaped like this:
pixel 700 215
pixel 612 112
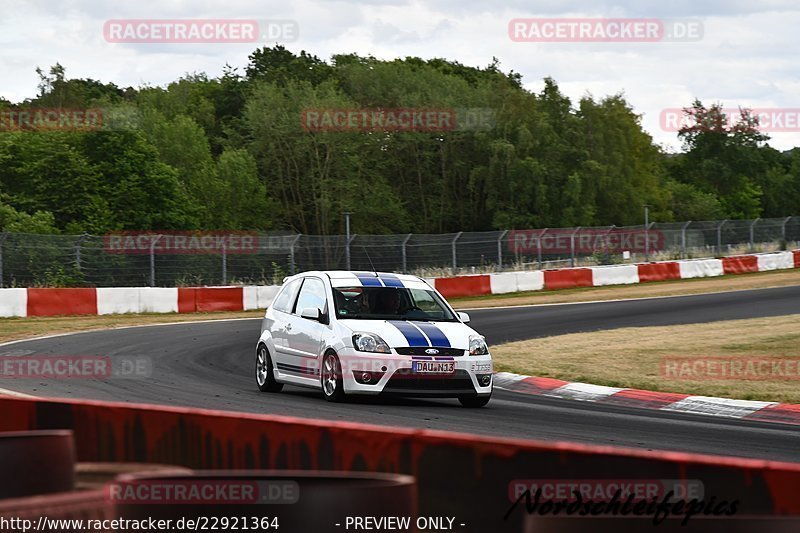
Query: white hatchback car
pixel 370 333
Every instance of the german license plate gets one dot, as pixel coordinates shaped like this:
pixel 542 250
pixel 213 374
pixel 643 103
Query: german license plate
pixel 433 367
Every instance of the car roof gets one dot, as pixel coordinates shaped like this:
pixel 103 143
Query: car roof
pixel 350 278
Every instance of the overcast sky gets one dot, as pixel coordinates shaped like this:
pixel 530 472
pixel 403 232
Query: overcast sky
pixel 748 54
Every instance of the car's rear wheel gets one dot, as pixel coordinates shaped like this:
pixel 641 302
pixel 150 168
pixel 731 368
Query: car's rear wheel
pixel 265 375
pixel 474 401
pixel 331 377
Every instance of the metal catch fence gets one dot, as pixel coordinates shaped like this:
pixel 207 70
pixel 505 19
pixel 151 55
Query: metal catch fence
pixel 217 258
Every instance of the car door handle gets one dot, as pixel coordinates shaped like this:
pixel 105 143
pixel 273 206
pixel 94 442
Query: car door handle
pixel 288 327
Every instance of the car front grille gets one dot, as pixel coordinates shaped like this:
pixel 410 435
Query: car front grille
pixel 420 351
pixel 404 382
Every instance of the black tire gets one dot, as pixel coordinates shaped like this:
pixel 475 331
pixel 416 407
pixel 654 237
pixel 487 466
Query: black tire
pixel 265 375
pixel 474 401
pixel 331 378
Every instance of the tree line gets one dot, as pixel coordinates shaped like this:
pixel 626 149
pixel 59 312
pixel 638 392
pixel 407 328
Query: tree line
pixel 231 153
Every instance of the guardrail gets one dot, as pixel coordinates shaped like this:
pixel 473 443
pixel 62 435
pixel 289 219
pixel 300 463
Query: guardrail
pixel 119 300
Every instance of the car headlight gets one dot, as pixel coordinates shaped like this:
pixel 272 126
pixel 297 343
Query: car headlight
pixel 477 345
pixel 369 342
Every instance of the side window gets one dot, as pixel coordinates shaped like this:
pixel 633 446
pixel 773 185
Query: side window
pixel 312 295
pixel 283 302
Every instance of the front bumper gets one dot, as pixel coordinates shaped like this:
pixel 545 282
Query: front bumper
pixel 391 374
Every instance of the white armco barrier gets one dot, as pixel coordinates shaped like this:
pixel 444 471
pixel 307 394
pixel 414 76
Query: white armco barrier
pixel 530 281
pixel 615 275
pixel 158 300
pixel 265 295
pixel 249 298
pixel 503 283
pixel 701 268
pixel 508 282
pixel 776 261
pixel 13 302
pixel 113 301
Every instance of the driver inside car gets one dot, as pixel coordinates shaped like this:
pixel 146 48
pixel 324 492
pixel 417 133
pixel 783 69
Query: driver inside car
pixel 388 302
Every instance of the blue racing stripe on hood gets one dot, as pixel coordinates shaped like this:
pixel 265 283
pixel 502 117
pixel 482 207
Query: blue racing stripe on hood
pixel 390 280
pixel 412 334
pixel 437 337
pixel 369 281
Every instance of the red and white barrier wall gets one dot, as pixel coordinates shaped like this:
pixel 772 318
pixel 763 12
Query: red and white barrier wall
pixel 570 278
pixel 106 301
pixel 118 300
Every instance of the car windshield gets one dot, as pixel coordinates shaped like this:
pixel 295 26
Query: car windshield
pixel 387 303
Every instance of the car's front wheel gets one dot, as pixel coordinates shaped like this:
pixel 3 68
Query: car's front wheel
pixel 331 376
pixel 474 400
pixel 265 375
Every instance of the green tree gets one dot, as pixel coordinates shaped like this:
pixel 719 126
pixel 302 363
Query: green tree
pixel 15 221
pixel 246 205
pixel 725 159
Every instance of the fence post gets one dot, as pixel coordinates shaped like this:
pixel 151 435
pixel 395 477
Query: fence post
pixel 572 246
pixel 347 238
pixel 500 250
pixel 783 235
pixel 349 245
pixel 78 251
pixel 153 260
pixel 647 240
pixel 606 245
pixel 405 258
pixel 539 247
pixel 224 264
pixel 646 233
pixel 683 239
pixel 455 261
pixel 291 254
pixel 752 234
pixel 3 237
pixel 719 237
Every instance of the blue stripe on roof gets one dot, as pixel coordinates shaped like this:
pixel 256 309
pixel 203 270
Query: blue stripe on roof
pixel 437 337
pixel 412 334
pixel 390 280
pixel 369 281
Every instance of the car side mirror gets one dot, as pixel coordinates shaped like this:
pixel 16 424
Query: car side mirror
pixel 463 317
pixel 311 313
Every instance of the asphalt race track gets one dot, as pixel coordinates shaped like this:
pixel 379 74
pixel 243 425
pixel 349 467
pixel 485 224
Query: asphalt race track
pixel 211 365
pixel 517 323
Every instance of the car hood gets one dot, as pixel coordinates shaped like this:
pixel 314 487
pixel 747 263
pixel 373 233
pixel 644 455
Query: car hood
pixel 404 333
